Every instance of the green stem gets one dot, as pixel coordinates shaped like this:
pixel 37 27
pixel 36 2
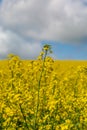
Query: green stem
pixel 39 84
pixel 24 117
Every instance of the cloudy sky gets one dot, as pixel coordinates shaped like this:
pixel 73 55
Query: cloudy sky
pixel 26 25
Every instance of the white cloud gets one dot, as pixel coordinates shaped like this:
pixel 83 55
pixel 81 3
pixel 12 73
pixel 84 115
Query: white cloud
pixel 36 20
pixel 11 43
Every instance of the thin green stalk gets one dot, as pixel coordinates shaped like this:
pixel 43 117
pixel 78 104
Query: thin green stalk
pixel 46 48
pixel 39 84
pixel 24 117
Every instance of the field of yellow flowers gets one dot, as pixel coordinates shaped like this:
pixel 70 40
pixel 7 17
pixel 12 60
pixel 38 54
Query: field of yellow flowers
pixel 43 94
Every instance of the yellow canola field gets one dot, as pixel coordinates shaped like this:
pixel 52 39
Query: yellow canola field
pixel 43 94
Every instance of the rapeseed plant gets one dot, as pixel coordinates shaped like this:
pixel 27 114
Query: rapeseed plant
pixel 38 96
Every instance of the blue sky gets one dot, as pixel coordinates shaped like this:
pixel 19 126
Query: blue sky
pixel 68 51
pixel 25 26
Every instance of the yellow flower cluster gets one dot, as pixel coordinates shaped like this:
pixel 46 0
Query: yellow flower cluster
pixel 34 95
